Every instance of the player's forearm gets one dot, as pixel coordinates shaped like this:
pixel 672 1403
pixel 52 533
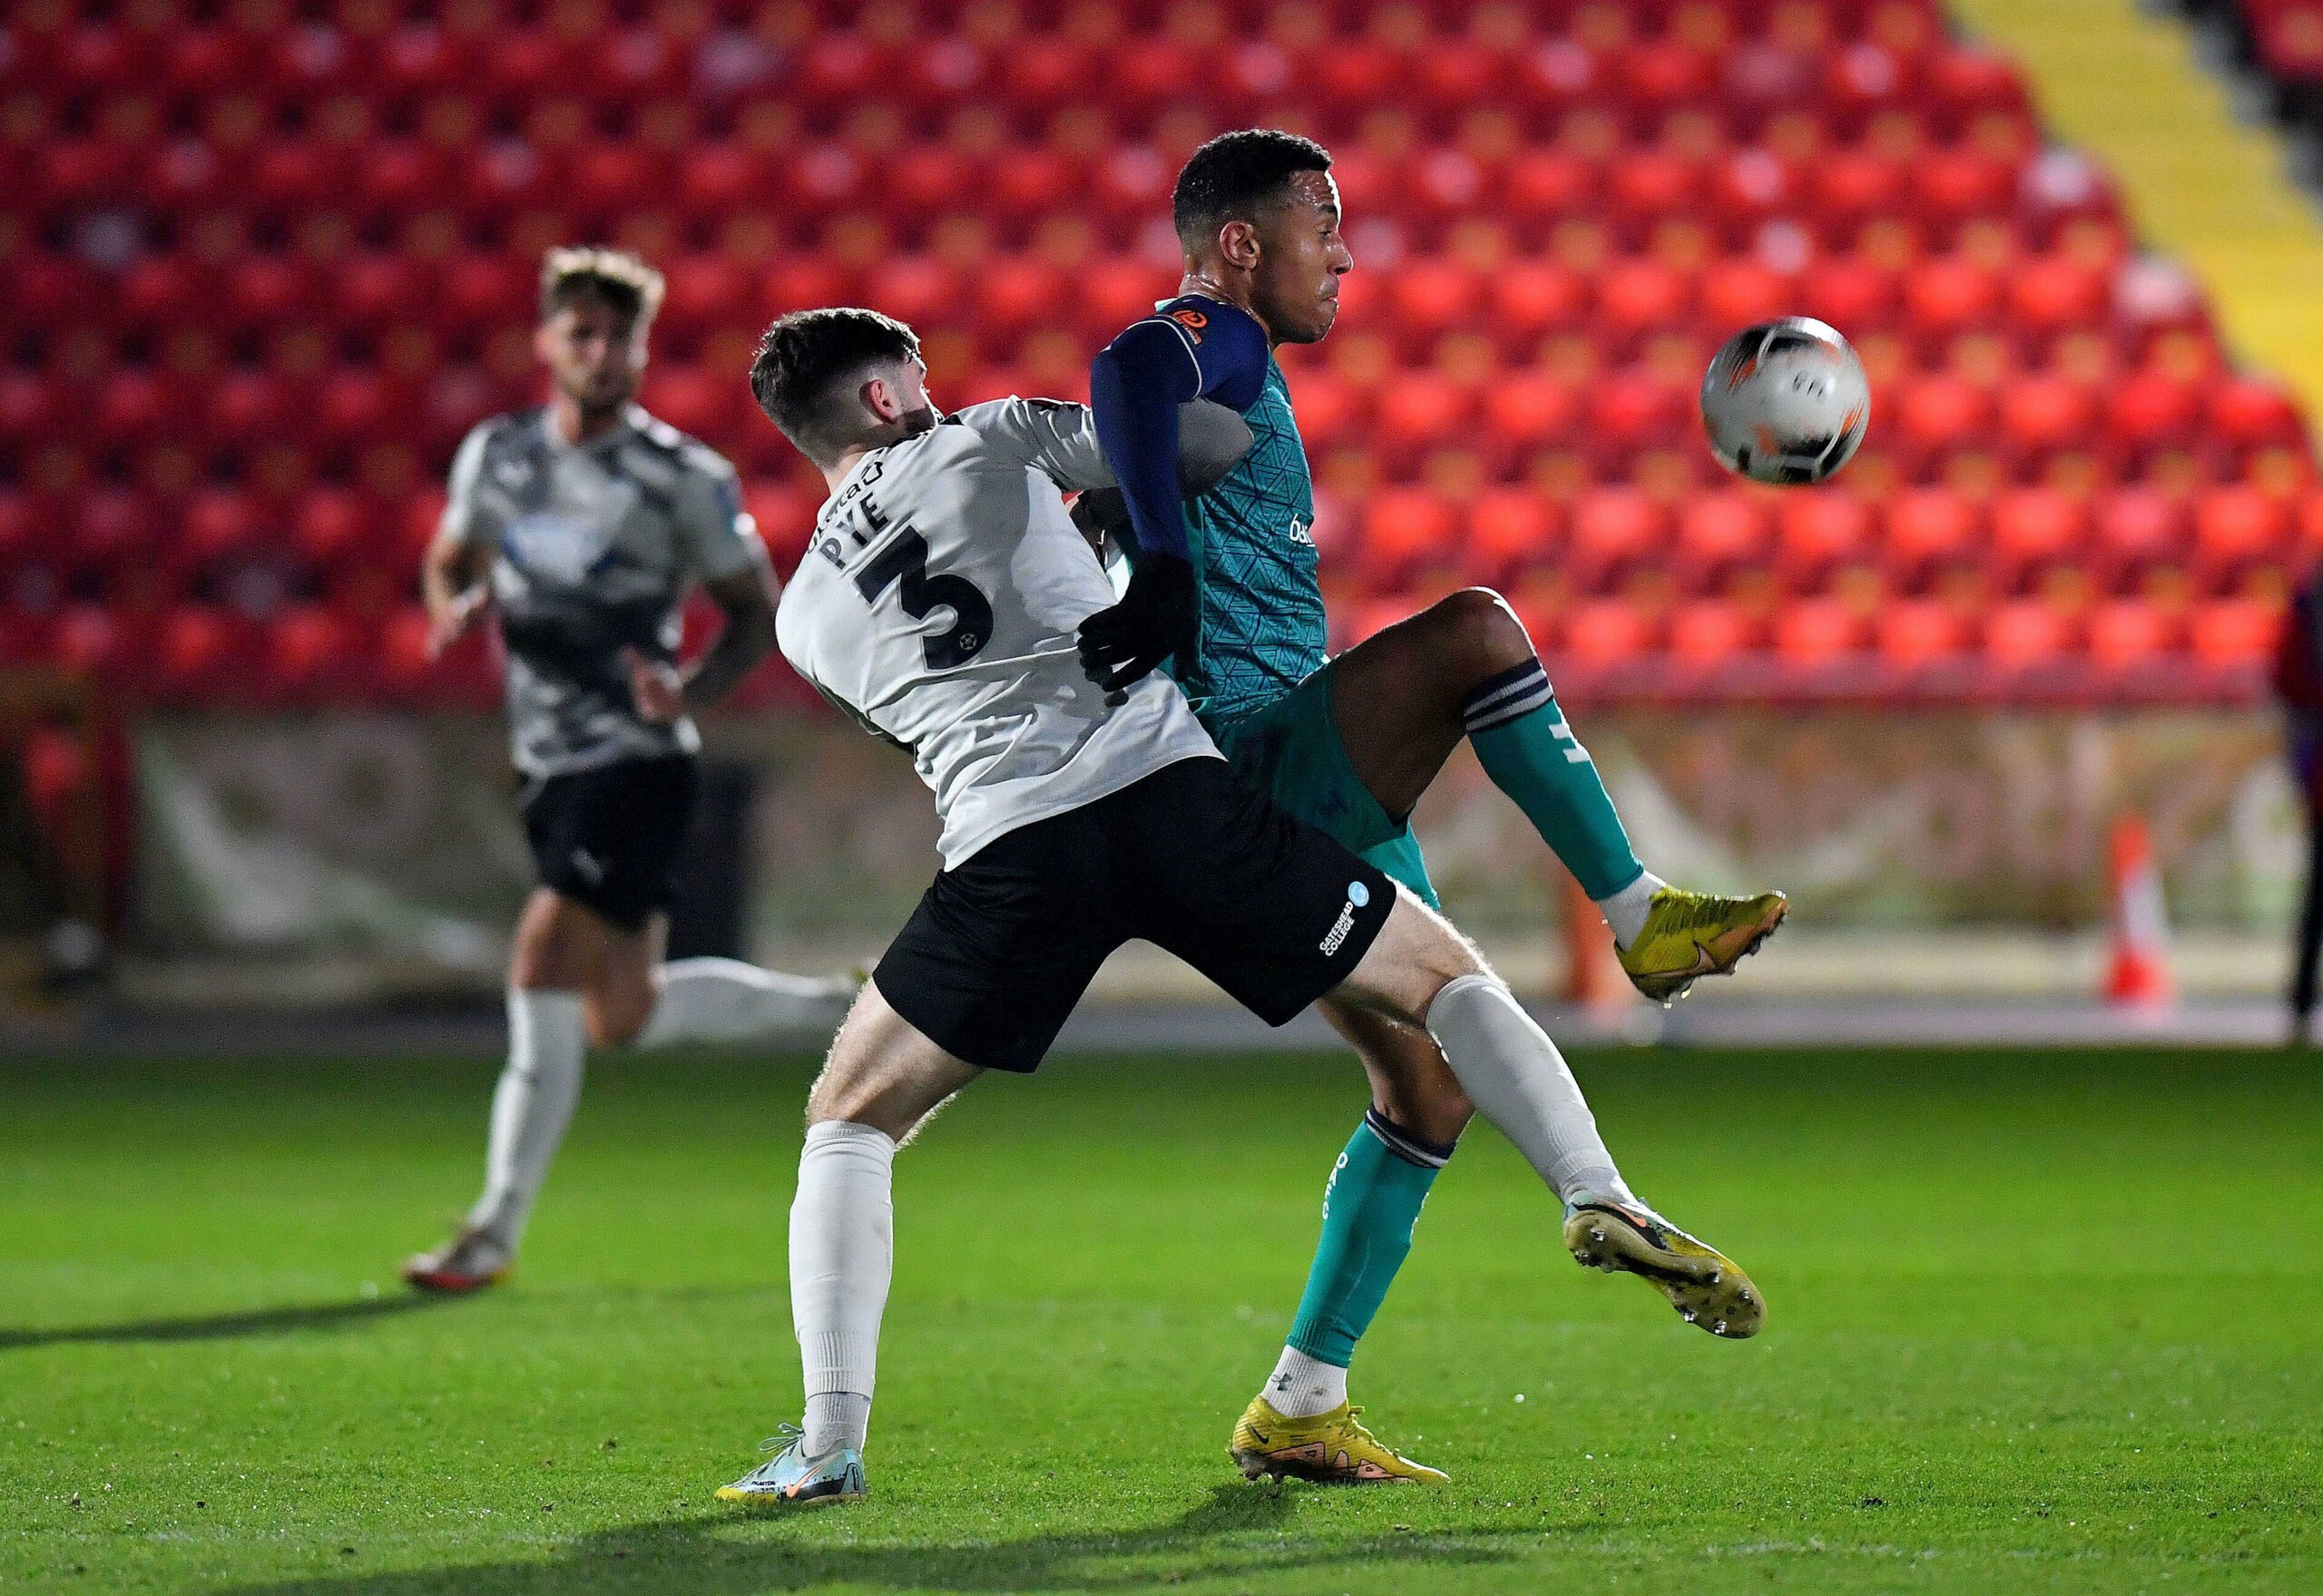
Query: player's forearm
pixel 1135 399
pixel 744 640
pixel 446 576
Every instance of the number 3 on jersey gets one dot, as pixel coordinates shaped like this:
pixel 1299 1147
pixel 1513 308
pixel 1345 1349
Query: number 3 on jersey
pixel 903 564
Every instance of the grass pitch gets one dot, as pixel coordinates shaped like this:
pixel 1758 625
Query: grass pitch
pixel 2037 1323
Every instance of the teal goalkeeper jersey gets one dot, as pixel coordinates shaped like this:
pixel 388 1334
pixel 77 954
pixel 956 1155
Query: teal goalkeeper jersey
pixel 1253 545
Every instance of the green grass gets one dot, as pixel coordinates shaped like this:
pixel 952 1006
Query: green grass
pixel 2038 1323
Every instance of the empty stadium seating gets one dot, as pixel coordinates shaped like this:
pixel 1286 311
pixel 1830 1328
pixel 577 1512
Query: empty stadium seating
pixel 266 267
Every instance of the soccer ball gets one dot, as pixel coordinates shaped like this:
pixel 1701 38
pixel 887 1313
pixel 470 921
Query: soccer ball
pixel 1786 401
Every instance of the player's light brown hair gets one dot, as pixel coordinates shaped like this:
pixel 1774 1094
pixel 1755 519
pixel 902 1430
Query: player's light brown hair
pixel 620 278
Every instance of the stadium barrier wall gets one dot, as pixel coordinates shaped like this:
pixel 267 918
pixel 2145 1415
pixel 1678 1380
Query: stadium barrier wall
pixel 391 843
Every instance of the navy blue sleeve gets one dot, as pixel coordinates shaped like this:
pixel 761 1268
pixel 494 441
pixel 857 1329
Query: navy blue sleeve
pixel 1192 348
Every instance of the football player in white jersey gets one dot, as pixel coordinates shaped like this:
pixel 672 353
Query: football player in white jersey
pixel 943 602
pixel 581 526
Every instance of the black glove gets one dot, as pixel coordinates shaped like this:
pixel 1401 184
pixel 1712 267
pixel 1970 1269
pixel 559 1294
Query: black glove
pixel 1155 621
pixel 1103 513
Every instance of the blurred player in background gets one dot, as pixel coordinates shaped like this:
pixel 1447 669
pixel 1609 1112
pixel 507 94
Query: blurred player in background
pixel 1225 588
pixel 582 526
pixel 938 603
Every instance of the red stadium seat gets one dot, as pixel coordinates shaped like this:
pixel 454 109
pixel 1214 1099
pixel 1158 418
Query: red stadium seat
pixel 1850 292
pixel 332 527
pixel 2253 412
pixel 1615 529
pixel 1530 298
pixel 1432 295
pixel 1528 409
pixel 1405 529
pixel 309 648
pixel 220 524
pixel 2139 528
pixel 2054 292
pixel 2021 633
pixel 2236 526
pixel 1721 533
pixel 2235 633
pixel 1639 294
pixel 2037 528
pixel 1916 632
pixel 1821 528
pixel 1633 409
pixel 1950 295
pixel 1738 292
pixel 2125 633
pixel 200 651
pixel 2151 408
pixel 1607 631
pixel 1705 633
pixel 89 639
pixel 1547 184
pixel 1644 186
pixel 1953 183
pixel 1816 631
pixel 2045 411
pixel 1420 409
pixel 1941 411
pixel 1659 74
pixel 1852 185
pixel 1510 529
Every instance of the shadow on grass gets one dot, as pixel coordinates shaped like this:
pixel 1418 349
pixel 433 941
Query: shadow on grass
pixel 698 1556
pixel 263 1321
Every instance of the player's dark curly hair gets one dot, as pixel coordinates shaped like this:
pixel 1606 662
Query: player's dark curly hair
pixel 1235 175
pixel 620 278
pixel 805 356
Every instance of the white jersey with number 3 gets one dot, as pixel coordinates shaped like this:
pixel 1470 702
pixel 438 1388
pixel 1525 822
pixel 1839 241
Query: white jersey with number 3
pixel 938 603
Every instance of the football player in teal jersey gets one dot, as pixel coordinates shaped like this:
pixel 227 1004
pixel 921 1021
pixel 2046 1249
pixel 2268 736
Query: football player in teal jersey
pixel 1224 591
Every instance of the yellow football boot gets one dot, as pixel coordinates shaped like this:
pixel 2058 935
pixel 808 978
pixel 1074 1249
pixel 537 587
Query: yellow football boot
pixel 1706 1287
pixel 1331 1447
pixel 1689 934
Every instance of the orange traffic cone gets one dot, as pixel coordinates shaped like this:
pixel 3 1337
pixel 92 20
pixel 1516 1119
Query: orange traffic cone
pixel 1594 978
pixel 2137 973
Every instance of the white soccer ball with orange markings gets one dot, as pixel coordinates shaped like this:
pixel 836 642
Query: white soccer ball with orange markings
pixel 1786 401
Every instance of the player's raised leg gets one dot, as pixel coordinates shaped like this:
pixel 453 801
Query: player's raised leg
pixel 1465 667
pixel 1420 968
pixel 883 1079
pixel 1302 1421
pixel 726 1001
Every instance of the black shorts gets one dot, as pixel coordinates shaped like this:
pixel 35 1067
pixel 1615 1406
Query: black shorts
pixel 609 838
pixel 1001 949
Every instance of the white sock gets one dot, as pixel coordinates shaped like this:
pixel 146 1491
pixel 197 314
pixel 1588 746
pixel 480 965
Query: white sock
pixel 1302 1386
pixel 1518 1081
pixel 726 1000
pixel 548 1039
pixel 1625 911
pixel 842 1254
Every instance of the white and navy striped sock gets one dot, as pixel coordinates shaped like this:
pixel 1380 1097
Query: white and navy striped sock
pixel 1427 1155
pixel 1505 696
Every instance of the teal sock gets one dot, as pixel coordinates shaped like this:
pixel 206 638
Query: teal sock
pixel 1368 1211
pixel 1522 741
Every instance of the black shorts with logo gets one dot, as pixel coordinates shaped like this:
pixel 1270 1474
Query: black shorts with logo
pixel 609 838
pixel 1001 949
